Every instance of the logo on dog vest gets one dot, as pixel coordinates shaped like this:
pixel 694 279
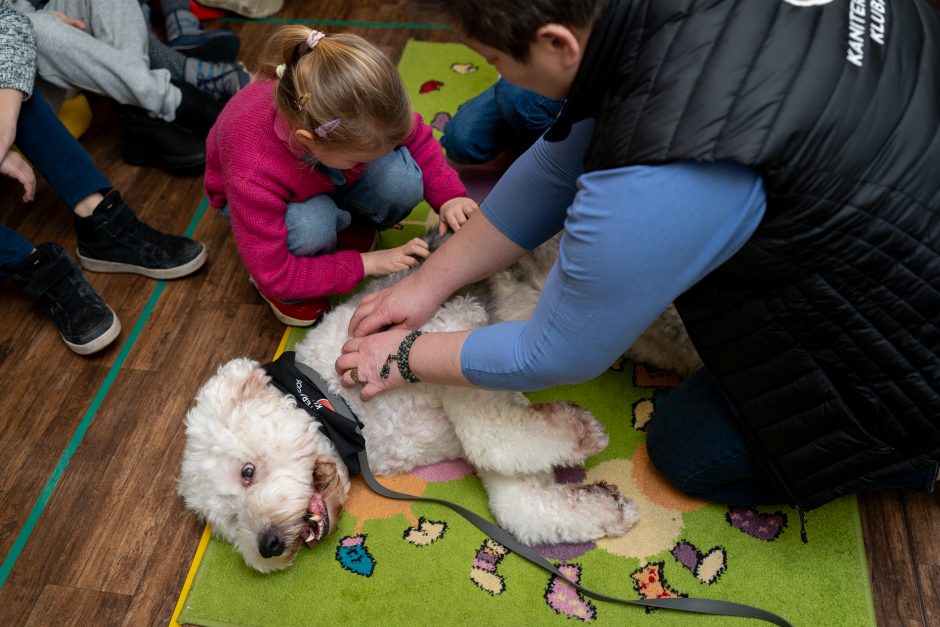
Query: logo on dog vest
pixel 305 399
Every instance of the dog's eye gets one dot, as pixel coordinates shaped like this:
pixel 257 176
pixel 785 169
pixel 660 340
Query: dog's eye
pixel 248 473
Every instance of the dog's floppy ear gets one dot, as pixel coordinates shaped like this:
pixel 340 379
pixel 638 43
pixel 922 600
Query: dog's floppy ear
pixel 330 479
pixel 326 478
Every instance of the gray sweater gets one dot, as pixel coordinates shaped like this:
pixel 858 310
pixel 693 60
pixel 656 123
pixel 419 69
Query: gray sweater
pixel 17 50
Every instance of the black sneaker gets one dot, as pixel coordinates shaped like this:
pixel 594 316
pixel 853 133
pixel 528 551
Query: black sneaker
pixel 197 110
pixel 52 277
pixel 112 239
pixel 152 143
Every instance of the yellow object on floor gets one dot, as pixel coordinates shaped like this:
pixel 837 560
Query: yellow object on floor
pixel 75 113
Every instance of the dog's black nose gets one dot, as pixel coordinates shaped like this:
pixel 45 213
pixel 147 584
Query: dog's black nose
pixel 270 544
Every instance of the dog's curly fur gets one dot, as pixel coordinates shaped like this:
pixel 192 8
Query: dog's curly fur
pixel 296 483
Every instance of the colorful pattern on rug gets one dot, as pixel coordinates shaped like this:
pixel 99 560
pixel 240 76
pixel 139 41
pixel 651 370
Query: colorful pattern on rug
pixel 402 563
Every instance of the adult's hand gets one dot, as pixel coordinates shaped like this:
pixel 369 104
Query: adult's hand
pixel 433 358
pixel 474 252
pixel 363 359
pixel 405 305
pixel 15 166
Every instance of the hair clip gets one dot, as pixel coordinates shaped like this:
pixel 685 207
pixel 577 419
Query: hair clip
pixel 303 100
pixel 314 38
pixel 325 129
pixel 279 70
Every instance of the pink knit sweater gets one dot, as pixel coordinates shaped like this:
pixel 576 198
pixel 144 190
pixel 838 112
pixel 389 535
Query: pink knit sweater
pixel 251 168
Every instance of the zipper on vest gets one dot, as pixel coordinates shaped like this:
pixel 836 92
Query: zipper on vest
pixel 802 513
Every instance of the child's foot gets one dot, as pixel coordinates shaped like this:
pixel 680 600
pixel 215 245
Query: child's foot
pixel 184 34
pixel 219 80
pixel 301 313
pixel 85 321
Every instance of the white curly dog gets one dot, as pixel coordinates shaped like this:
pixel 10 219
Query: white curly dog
pixel 261 472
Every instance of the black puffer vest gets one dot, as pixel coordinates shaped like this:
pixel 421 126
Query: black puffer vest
pixel 824 330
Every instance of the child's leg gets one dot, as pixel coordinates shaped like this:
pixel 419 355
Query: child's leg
pixel 111 60
pixel 387 191
pixel 312 226
pixel 477 133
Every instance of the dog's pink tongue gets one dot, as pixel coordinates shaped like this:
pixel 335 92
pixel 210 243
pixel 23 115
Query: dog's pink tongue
pixel 318 521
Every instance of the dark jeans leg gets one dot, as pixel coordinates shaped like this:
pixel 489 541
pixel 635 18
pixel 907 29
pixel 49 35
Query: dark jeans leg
pixel 527 113
pixel 58 156
pixel 14 248
pixel 387 191
pixel 694 440
pixel 477 133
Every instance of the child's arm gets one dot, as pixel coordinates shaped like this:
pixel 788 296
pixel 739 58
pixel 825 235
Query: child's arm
pixel 441 182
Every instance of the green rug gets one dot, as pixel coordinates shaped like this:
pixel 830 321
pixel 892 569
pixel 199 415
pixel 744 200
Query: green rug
pixel 400 563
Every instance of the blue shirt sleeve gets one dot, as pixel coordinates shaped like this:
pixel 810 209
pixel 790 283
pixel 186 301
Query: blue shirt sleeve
pixel 635 238
pixel 529 203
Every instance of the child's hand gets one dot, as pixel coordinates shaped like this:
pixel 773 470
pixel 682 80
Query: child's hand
pixel 455 212
pixel 79 24
pixel 379 262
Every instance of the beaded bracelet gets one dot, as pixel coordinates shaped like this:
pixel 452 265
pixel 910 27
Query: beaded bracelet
pixel 404 349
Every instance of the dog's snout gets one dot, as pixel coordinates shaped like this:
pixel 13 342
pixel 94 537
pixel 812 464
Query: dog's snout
pixel 270 544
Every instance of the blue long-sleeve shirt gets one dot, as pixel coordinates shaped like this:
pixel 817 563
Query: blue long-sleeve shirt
pixel 634 239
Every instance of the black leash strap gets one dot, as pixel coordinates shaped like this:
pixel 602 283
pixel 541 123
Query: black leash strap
pixel 683 604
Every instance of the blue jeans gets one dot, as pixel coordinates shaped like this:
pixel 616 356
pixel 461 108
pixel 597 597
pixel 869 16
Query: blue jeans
pixel 694 440
pixel 502 117
pixel 58 156
pixel 384 195
pixel 61 160
pixel 14 249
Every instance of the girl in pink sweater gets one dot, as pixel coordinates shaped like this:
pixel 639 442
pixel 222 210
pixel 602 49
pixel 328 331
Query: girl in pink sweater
pixel 312 158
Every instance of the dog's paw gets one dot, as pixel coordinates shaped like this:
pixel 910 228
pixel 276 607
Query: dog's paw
pixel 577 425
pixel 615 514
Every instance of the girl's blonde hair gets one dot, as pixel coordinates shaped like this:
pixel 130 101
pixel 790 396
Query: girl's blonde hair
pixel 342 78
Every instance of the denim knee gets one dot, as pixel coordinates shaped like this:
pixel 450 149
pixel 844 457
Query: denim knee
pixel 695 442
pixel 660 446
pixel 527 113
pixel 461 146
pixel 312 226
pixel 388 190
pixel 477 132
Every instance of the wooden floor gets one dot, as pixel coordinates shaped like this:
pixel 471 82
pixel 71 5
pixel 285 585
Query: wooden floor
pixel 91 529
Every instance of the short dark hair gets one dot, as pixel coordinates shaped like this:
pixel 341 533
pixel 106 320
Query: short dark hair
pixel 509 25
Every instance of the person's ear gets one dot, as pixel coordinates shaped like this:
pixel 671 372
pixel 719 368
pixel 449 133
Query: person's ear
pixel 304 137
pixel 562 43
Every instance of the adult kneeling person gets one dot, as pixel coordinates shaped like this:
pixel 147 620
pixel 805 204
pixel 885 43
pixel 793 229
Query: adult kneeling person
pixel 772 168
